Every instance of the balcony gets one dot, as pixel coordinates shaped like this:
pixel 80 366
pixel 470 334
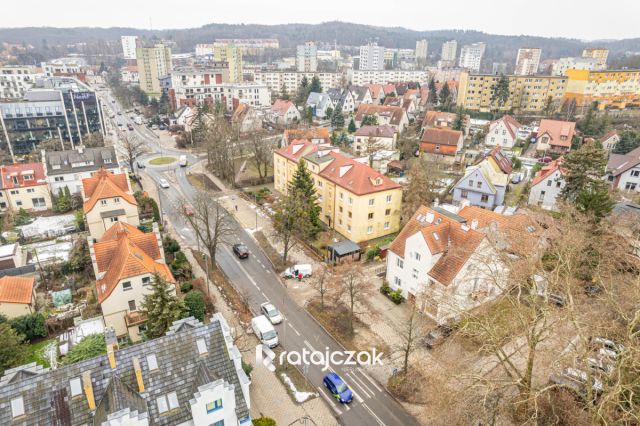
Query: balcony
pixel 134 318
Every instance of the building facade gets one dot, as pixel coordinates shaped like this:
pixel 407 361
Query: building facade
pixel 484 184
pixel 17 296
pixel 547 185
pixel 449 51
pixel 598 53
pixel 362 78
pixel 610 88
pixel 471 56
pixel 153 63
pixel 422 48
pixel 16 80
pixel 561 66
pixel 24 186
pixel 371 57
pixel 307 57
pixel 527 61
pixel 129 46
pixel 232 55
pixel 291 80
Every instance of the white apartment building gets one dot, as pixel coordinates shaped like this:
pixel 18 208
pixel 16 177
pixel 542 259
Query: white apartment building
pixel 371 57
pixel 573 63
pixel 422 47
pixel 291 79
pixel 361 78
pixel 449 51
pixel 204 49
pixel 15 80
pixel 471 56
pixel 129 46
pixel 528 61
pixel 307 57
pixel 62 66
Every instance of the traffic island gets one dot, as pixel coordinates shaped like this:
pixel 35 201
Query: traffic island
pixel 162 161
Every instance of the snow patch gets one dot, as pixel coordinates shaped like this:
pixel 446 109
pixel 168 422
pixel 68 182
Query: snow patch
pixel 299 396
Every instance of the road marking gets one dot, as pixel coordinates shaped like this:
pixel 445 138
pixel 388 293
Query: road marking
pixel 293 328
pixel 265 296
pixel 355 382
pixel 361 384
pixel 355 395
pixel 330 401
pixel 309 346
pixel 373 382
pixel 380 422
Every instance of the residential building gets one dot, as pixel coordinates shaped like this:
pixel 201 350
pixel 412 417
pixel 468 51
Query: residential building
pixel 442 144
pixel 623 171
pixel 422 47
pixel 409 105
pixel 319 103
pixel 448 262
pixel 12 259
pixel 250 46
pixel 68 168
pixel 17 296
pixel 356 201
pixel 153 63
pixel 247 118
pixel 382 137
pixel 361 95
pixel 471 56
pixel 365 77
pixel 555 136
pixel 125 260
pixel 533 94
pixel 342 100
pixel 561 66
pixel 485 183
pixel 129 46
pixel 449 51
pixel 610 140
pixel 284 113
pixel 547 185
pixel 438 119
pixel 317 135
pixel 498 68
pixel 503 132
pixel 393 116
pixel 65 67
pixel 129 74
pixel 61 108
pixel 307 57
pixel 527 61
pixel 24 186
pixel 291 80
pixel 204 50
pixel 610 88
pixel 108 199
pixel 598 53
pixel 180 60
pixel 191 376
pixel 232 55
pixel 371 58
pixel 16 80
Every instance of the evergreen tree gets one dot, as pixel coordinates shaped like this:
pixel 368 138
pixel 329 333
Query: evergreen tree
pixel 445 95
pixel 433 93
pixel 161 307
pixel 369 120
pixel 458 123
pixel 12 348
pixel 589 124
pixel 500 94
pixel 315 85
pixel 328 113
pixel 352 126
pixel 283 92
pixel 164 105
pixel 337 121
pixel 302 186
pixel 629 140
pixel 194 302
pixel 303 91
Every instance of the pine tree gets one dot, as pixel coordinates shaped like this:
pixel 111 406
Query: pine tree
pixel 500 94
pixel 337 121
pixel 433 93
pixel 352 126
pixel 316 87
pixel 445 94
pixel 283 92
pixel 458 123
pixel 303 91
pixel 629 140
pixel 161 307
pixel 302 186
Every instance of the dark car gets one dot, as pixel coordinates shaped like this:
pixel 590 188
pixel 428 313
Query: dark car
pixel 338 388
pixel 437 336
pixel 241 251
pixel 140 164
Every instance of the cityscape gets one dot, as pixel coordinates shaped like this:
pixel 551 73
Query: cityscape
pixel 319 223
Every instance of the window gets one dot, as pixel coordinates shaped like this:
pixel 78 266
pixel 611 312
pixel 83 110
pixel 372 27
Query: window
pixel 388 199
pixel 349 214
pixel 414 274
pixel 397 281
pixel 386 225
pixel 341 195
pixel 38 202
pixel 14 192
pixel 630 186
pixel 350 200
pixel 340 209
pixel 17 407
pixel 103 202
pixel 349 228
pixel 132 305
pixel 370 230
pixel 58 178
pixel 214 406
pixel 126 286
pixel 635 173
pixel 371 201
pixel 113 219
pixel 30 190
pixel 27 177
pixel 152 362
pixel 400 263
pixel 18 203
pixel 418 256
pixel 479 184
pixel 484 198
pixel 202 346
pixel 370 216
pixel 116 199
pixel 549 182
pixel 163 407
pixel 471 183
pixel 76 387
pixel 464 194
pixel 146 280
pixel 320 183
pixel 558 184
pixel 172 398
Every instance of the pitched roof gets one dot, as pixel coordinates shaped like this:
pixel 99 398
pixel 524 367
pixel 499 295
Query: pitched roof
pixel 281 106
pixel 383 131
pixel 609 135
pixel 356 177
pixel 546 170
pixel 104 184
pixel 510 123
pixel 396 113
pixel 359 92
pixel 88 160
pixel 435 118
pixel 560 132
pixel 311 133
pixel 620 163
pixel 441 136
pixel 16 289
pixel 500 160
pixel 375 90
pixel 240 113
pixel 297 149
pixel 35 171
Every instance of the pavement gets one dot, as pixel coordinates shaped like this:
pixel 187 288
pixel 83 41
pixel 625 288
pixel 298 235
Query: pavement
pixel 256 278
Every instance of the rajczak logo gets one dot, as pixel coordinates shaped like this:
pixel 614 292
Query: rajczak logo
pixel 265 357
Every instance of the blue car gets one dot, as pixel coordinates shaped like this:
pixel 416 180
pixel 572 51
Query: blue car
pixel 338 388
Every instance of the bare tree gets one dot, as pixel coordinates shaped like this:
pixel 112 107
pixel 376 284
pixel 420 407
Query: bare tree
pixel 212 224
pixel 222 148
pixel 424 184
pixel 354 289
pixel 133 147
pixel 411 332
pixel 323 285
pixel 261 154
pixel 370 147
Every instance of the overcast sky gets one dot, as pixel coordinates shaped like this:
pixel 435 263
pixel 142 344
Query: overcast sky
pixel 585 19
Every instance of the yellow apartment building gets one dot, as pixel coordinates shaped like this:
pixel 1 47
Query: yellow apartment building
pixel 153 63
pixel 231 54
pixel 610 88
pixel 598 53
pixel 527 93
pixel 358 202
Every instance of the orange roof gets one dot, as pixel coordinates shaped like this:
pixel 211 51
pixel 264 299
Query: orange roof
pixel 442 136
pixel 396 113
pixel 297 149
pixel 127 252
pixel 356 177
pixel 375 90
pixel 435 118
pixel 281 106
pixel 104 184
pixel 546 171
pixel 33 171
pixel 311 133
pixel 16 289
pixel 560 132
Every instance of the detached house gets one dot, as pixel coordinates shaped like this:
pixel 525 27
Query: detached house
pixel 623 171
pixel 108 199
pixel 395 117
pixel 342 101
pixel 503 132
pixel 547 185
pixel 485 184
pixel 319 104
pixel 24 186
pixel 438 119
pixel 442 144
pixel 384 137
pixel 316 135
pixel 610 140
pixel 124 261
pixel 555 137
pixel 377 93
pixel 361 95
pixel 246 118
pixel 284 113
pixel 17 296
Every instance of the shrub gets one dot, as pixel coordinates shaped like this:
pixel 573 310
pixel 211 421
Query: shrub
pixel 372 253
pixel 170 245
pixel 31 326
pixel 180 267
pixel 13 351
pixel 264 421
pixel 394 295
pixel 186 286
pixel 194 302
pixel 384 288
pixel 90 347
pixel 22 217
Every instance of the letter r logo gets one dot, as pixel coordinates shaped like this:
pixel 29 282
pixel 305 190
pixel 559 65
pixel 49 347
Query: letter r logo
pixel 265 357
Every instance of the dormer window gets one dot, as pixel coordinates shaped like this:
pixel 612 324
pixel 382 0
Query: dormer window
pixel 27 177
pixel 17 407
pixel 152 362
pixel 202 346
pixel 76 387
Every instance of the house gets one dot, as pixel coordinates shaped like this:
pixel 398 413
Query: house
pixel 191 376
pixel 396 117
pixel 24 186
pixel 547 185
pixel 246 118
pixel 284 113
pixel 438 119
pixel 68 168
pixel 406 104
pixel 555 136
pixel 448 262
pixel 108 199
pixel 319 104
pixel 389 89
pixel 610 140
pixel 17 296
pixel 14 261
pixel 485 184
pixel 377 93
pixel 316 135
pixel 503 132
pixel 361 95
pixel 356 201
pixel 183 114
pixel 342 100
pixel 383 136
pixel 124 261
pixel 623 171
pixel 442 144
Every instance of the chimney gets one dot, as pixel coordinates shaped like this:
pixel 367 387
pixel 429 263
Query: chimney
pixel 138 371
pixel 88 389
pixel 112 344
pixel 80 149
pixel 474 224
pixel 111 354
pixel 436 202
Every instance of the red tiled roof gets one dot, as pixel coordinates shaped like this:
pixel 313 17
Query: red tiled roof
pixel 441 136
pixel 297 149
pixel 547 170
pixel 16 289
pixel 311 133
pixel 20 171
pixel 503 163
pixel 356 177
pixel 396 113
pixel 383 131
pixel 105 184
pixel 557 130
pixel 433 117
pixel 281 106
pixel 609 135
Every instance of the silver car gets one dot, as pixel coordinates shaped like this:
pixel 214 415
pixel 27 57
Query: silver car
pixel 271 312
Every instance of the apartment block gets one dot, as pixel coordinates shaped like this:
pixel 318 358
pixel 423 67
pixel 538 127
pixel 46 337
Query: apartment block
pixel 562 65
pixel 307 57
pixel 231 54
pixel 15 80
pixel 449 51
pixel 422 47
pixel 598 53
pixel 471 56
pixel 153 63
pixel 528 61
pixel 292 79
pixel 129 46
pixel 371 57
pixel 610 88
pixel 362 78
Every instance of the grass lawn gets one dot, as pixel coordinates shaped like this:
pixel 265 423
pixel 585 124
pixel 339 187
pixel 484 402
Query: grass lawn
pixel 36 353
pixel 161 161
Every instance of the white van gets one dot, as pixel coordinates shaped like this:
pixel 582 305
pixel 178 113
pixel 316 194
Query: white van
pixel 295 270
pixel 264 331
pixel 183 161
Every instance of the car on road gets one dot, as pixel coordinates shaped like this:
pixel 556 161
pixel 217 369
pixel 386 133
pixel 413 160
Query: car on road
pixel 164 183
pixel 271 312
pixel 183 161
pixel 140 164
pixel 437 336
pixel 119 112
pixel 188 209
pixel 264 331
pixel 516 178
pixel 338 388
pixel 241 251
pixel 130 127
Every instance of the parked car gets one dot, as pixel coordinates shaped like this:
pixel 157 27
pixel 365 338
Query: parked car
pixel 271 312
pixel 338 388
pixel 606 347
pixel 293 271
pixel 516 178
pixel 164 183
pixel 264 331
pixel 576 380
pixel 130 127
pixel 241 251
pixel 437 336
pixel 140 164
pixel 545 160
pixel 154 127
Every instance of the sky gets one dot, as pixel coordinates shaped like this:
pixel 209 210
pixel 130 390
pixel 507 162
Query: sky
pixel 582 19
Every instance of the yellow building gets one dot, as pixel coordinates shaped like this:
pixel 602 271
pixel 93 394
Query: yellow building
pixel 598 53
pixel 153 63
pixel 610 88
pixel 231 54
pixel 527 93
pixel 356 201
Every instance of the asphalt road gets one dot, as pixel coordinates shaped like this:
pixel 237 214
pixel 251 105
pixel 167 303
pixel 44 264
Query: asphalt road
pixel 256 278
